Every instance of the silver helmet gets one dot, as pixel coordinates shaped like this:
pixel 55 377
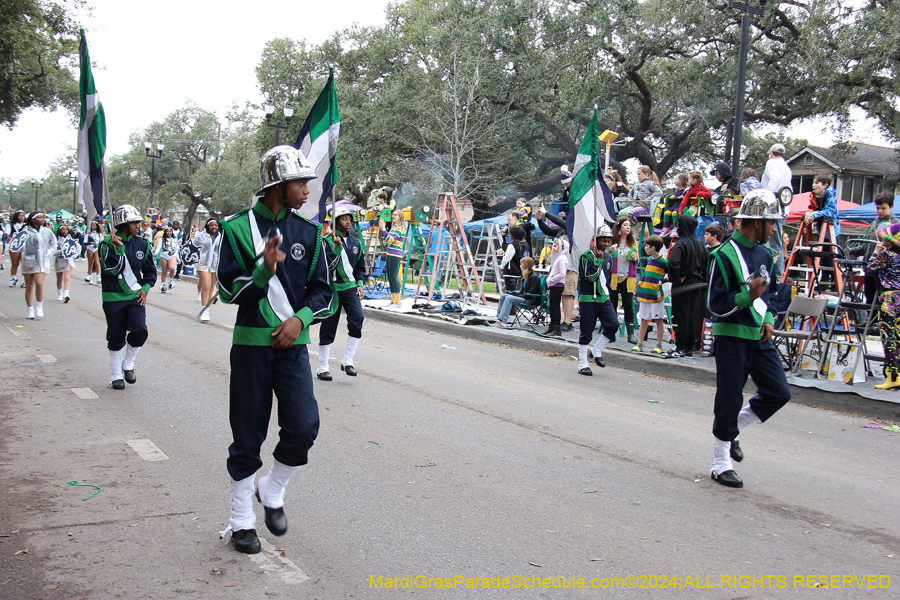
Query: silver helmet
pixel 341 212
pixel 126 213
pixel 281 164
pixel 760 205
pixel 604 231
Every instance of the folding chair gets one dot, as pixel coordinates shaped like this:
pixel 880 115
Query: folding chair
pixel 532 311
pixel 799 328
pixel 376 275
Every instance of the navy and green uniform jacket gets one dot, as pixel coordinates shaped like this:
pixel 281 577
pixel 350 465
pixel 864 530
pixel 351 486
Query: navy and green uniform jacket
pixel 126 269
pixel 299 287
pixel 730 266
pixel 594 273
pixel 347 267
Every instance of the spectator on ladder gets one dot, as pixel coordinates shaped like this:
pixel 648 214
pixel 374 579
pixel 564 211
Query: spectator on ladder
pixel 776 176
pixel 884 202
pixel 822 211
pixel 748 181
pixel 393 243
pixel 727 181
pixel 515 251
pixel 885 265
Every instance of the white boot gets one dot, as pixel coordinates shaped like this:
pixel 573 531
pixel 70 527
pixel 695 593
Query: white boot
pixel 324 351
pixel 130 354
pixel 599 345
pixel 583 358
pixel 39 310
pixel 352 343
pixel 115 364
pixel 746 417
pixel 271 487
pixel 242 515
pixel 721 456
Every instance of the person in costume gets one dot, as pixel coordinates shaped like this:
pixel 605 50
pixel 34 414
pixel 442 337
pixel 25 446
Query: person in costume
pixel 37 260
pixel 347 266
pixel 272 266
pixel 16 224
pixel 166 251
pixel 741 283
pixel 62 265
pixel 127 274
pixel 594 273
pixel 91 242
pixel 208 241
pixel 885 265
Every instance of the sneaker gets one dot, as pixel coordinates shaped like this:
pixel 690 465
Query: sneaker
pixel 171 284
pixel 638 348
pixel 66 299
pixel 12 282
pixel 30 313
pixel 205 316
pixel 39 312
pixel 657 350
pixel 88 279
pixel 674 353
pixel 566 327
pixel 21 285
pixel 163 288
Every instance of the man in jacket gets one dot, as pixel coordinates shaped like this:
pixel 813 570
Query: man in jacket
pixel 279 294
pixel 687 265
pixel 776 176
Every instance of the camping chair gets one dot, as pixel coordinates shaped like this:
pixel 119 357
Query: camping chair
pixel 376 275
pixel 531 313
pixel 799 327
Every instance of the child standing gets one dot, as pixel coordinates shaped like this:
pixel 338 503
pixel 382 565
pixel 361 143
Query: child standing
pixel 670 216
pixel 650 294
pixel 594 272
pixel 696 194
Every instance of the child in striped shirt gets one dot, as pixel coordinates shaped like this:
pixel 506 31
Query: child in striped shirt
pixel 650 295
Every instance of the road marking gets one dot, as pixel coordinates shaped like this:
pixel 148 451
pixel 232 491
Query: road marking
pixel 15 331
pixel 47 358
pixel 277 565
pixel 147 450
pixel 84 393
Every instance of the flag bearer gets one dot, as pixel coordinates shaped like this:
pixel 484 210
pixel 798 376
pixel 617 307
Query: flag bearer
pixel 347 266
pixel 594 271
pixel 271 266
pixel 740 285
pixel 127 273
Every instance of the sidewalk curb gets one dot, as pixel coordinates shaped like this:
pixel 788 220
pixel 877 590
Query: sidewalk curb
pixel 839 401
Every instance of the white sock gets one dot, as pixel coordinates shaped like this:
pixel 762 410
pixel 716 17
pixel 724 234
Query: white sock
pixel 601 343
pixel 721 456
pixel 273 485
pixel 94 278
pixel 39 305
pixel 130 354
pixel 324 351
pixel 352 343
pixel 242 515
pixel 115 364
pixel 65 293
pixel 59 294
pixel 746 417
pixel 582 357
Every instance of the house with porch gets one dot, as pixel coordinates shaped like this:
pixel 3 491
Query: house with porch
pixel 859 171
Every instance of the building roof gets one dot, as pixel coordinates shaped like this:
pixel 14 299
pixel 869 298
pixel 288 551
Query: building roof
pixel 856 157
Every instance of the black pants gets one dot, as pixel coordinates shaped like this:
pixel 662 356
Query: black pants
pixel 686 318
pixel 555 294
pixel 256 372
pixel 125 322
pixel 627 300
pixel 736 359
pixel 591 312
pixel 349 302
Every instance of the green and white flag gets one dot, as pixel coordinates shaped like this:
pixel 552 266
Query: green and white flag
pixel 590 199
pixel 318 142
pixel 91 140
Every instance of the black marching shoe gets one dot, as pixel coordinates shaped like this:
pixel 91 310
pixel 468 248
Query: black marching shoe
pixel 553 331
pixel 246 541
pixel 276 521
pixel 118 384
pixel 737 455
pixel 349 370
pixel 598 360
pixel 130 377
pixel 585 371
pixel 325 376
pixel 728 478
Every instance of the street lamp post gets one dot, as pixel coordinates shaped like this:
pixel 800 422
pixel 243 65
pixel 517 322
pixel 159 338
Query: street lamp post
pixel 11 190
pixel 74 181
pixel 148 146
pixel 37 188
pixel 270 110
pixel 742 75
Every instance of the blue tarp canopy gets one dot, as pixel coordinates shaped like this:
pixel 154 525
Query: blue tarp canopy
pixel 866 212
pixel 475 226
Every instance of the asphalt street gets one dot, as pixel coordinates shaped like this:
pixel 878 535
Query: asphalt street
pixel 445 457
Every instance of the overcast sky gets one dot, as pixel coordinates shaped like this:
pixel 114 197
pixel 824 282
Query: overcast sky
pixel 152 57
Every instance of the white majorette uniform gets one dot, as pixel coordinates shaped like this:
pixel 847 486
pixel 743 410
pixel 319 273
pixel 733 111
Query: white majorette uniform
pixel 37 257
pixel 166 248
pixel 92 241
pixel 61 264
pixel 209 250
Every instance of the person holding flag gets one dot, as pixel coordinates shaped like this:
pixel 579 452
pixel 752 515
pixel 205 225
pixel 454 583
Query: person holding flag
pixel 347 266
pixel 594 272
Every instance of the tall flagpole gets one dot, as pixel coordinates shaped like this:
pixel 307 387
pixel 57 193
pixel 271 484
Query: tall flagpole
pixel 596 208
